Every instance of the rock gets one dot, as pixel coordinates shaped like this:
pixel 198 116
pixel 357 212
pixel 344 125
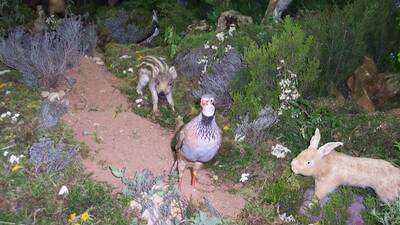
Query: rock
pixel 276 8
pixel 232 17
pixel 56 7
pixel 354 216
pixel 366 84
pixel 217 77
pixel 187 62
pixel 396 112
pixel 51 112
pixel 44 94
pixel 201 25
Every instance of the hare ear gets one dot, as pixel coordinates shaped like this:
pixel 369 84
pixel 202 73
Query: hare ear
pixel 328 147
pixel 315 139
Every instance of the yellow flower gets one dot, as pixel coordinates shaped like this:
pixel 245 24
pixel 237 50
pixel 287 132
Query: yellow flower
pixel 226 128
pixel 140 57
pixel 16 167
pixel 193 110
pixel 71 218
pixel 85 216
pixel 77 224
pixel 2 86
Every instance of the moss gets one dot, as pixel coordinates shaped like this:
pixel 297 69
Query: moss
pixel 195 40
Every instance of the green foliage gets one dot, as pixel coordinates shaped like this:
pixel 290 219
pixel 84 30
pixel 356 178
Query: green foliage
pixel 286 191
pixel 194 40
pixel 13 13
pixel 172 40
pixel 388 214
pixel 342 122
pixel 203 219
pixel 36 194
pixel 344 35
pixel 291 45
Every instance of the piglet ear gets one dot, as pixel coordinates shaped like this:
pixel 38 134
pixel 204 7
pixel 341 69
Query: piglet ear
pixel 173 73
pixel 315 139
pixel 328 147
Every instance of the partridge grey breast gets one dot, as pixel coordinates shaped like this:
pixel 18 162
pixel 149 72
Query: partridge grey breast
pixel 200 139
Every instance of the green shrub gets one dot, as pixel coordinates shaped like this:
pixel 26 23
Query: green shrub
pixel 344 35
pixel 13 13
pixel 388 214
pixel 291 45
pixel 342 122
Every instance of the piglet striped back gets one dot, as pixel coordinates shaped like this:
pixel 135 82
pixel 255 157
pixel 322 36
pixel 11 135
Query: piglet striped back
pixel 155 64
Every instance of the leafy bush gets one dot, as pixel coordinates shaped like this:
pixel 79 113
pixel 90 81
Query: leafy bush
pixel 47 157
pixel 44 58
pixel 122 29
pixel 13 12
pixel 344 35
pixel 390 214
pixel 292 46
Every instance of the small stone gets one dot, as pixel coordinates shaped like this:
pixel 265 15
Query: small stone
pixel 44 94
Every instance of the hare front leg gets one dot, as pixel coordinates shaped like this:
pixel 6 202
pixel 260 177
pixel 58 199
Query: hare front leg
pixel 323 188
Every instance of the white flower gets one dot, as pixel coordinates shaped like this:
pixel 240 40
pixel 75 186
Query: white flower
pixel 282 61
pixel 130 70
pixel 207 45
pixel 124 72
pixel 228 48
pixel 63 190
pixel 8 92
pixel 21 156
pixel 231 29
pixel 220 36
pixel 244 177
pixel 14 159
pixel 125 57
pixel 279 151
pixel 5 153
pixel 139 100
pixel 3 115
pixel 8 113
pixel 288 219
pixel 4 72
pixel 214 47
pixel 239 138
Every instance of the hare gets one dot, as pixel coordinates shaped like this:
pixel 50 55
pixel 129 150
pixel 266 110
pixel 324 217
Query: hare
pixel 331 169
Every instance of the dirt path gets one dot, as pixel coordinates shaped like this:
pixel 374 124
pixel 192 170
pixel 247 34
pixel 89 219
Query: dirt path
pixel 100 117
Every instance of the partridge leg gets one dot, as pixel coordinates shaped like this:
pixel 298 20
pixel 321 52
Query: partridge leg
pixel 196 167
pixel 194 173
pixel 181 169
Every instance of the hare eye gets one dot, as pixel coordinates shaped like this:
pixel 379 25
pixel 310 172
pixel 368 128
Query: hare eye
pixel 308 163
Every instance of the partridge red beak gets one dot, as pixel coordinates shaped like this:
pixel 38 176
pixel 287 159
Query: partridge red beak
pixel 203 102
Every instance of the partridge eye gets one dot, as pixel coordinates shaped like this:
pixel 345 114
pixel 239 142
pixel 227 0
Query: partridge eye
pixel 212 101
pixel 170 83
pixel 308 163
pixel 157 82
